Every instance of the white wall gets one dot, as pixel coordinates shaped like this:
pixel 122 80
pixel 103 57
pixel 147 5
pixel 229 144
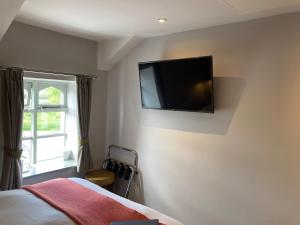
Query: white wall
pixel 8 11
pixel 110 52
pixel 36 48
pixel 29 46
pixel 239 166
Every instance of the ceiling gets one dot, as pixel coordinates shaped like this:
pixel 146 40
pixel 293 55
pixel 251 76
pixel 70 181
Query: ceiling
pixel 105 19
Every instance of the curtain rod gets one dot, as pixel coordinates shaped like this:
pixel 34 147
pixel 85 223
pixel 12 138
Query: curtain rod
pixel 48 72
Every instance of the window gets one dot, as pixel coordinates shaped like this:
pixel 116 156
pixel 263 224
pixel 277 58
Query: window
pixel 45 126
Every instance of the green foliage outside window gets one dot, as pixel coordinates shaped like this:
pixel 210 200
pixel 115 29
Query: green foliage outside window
pixel 49 121
pixel 50 96
pixel 27 121
pixel 46 121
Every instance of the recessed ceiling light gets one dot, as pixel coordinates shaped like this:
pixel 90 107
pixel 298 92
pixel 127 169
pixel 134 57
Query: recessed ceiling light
pixel 162 20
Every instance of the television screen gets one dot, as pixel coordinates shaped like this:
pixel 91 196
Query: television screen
pixel 182 84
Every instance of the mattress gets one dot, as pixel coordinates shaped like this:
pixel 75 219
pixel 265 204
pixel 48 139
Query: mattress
pixel 22 207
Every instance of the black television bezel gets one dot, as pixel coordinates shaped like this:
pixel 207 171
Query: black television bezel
pixel 181 110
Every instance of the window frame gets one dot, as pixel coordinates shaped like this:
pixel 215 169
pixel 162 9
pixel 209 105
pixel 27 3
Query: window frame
pixel 28 88
pixel 34 108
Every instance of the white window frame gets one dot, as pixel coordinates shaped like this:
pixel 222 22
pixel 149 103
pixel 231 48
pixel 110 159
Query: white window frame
pixel 34 108
pixel 28 88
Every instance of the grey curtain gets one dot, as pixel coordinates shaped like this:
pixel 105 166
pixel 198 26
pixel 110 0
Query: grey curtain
pixel 12 113
pixel 84 89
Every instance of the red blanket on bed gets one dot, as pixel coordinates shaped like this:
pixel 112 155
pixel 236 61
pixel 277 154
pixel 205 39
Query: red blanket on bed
pixel 82 205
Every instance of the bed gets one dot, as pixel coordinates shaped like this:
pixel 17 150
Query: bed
pixel 23 207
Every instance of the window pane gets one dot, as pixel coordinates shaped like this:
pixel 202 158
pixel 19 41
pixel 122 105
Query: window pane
pixel 50 122
pixel 50 148
pixel 51 96
pixel 27 155
pixel 27 120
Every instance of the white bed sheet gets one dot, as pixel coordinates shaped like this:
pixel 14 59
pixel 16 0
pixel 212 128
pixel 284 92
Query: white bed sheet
pixel 20 207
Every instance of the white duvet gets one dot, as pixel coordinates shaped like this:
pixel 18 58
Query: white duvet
pixel 20 207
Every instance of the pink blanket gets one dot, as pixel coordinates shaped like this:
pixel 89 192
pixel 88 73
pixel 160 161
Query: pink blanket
pixel 82 205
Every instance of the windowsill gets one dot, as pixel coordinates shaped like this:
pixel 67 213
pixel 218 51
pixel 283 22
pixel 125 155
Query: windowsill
pixel 49 166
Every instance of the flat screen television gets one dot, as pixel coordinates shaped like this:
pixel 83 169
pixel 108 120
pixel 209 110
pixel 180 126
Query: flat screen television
pixel 181 84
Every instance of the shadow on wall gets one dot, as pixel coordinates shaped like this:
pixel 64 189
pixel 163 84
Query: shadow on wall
pixel 136 191
pixel 227 93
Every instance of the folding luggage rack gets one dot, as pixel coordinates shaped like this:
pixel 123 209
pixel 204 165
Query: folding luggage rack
pixel 124 171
